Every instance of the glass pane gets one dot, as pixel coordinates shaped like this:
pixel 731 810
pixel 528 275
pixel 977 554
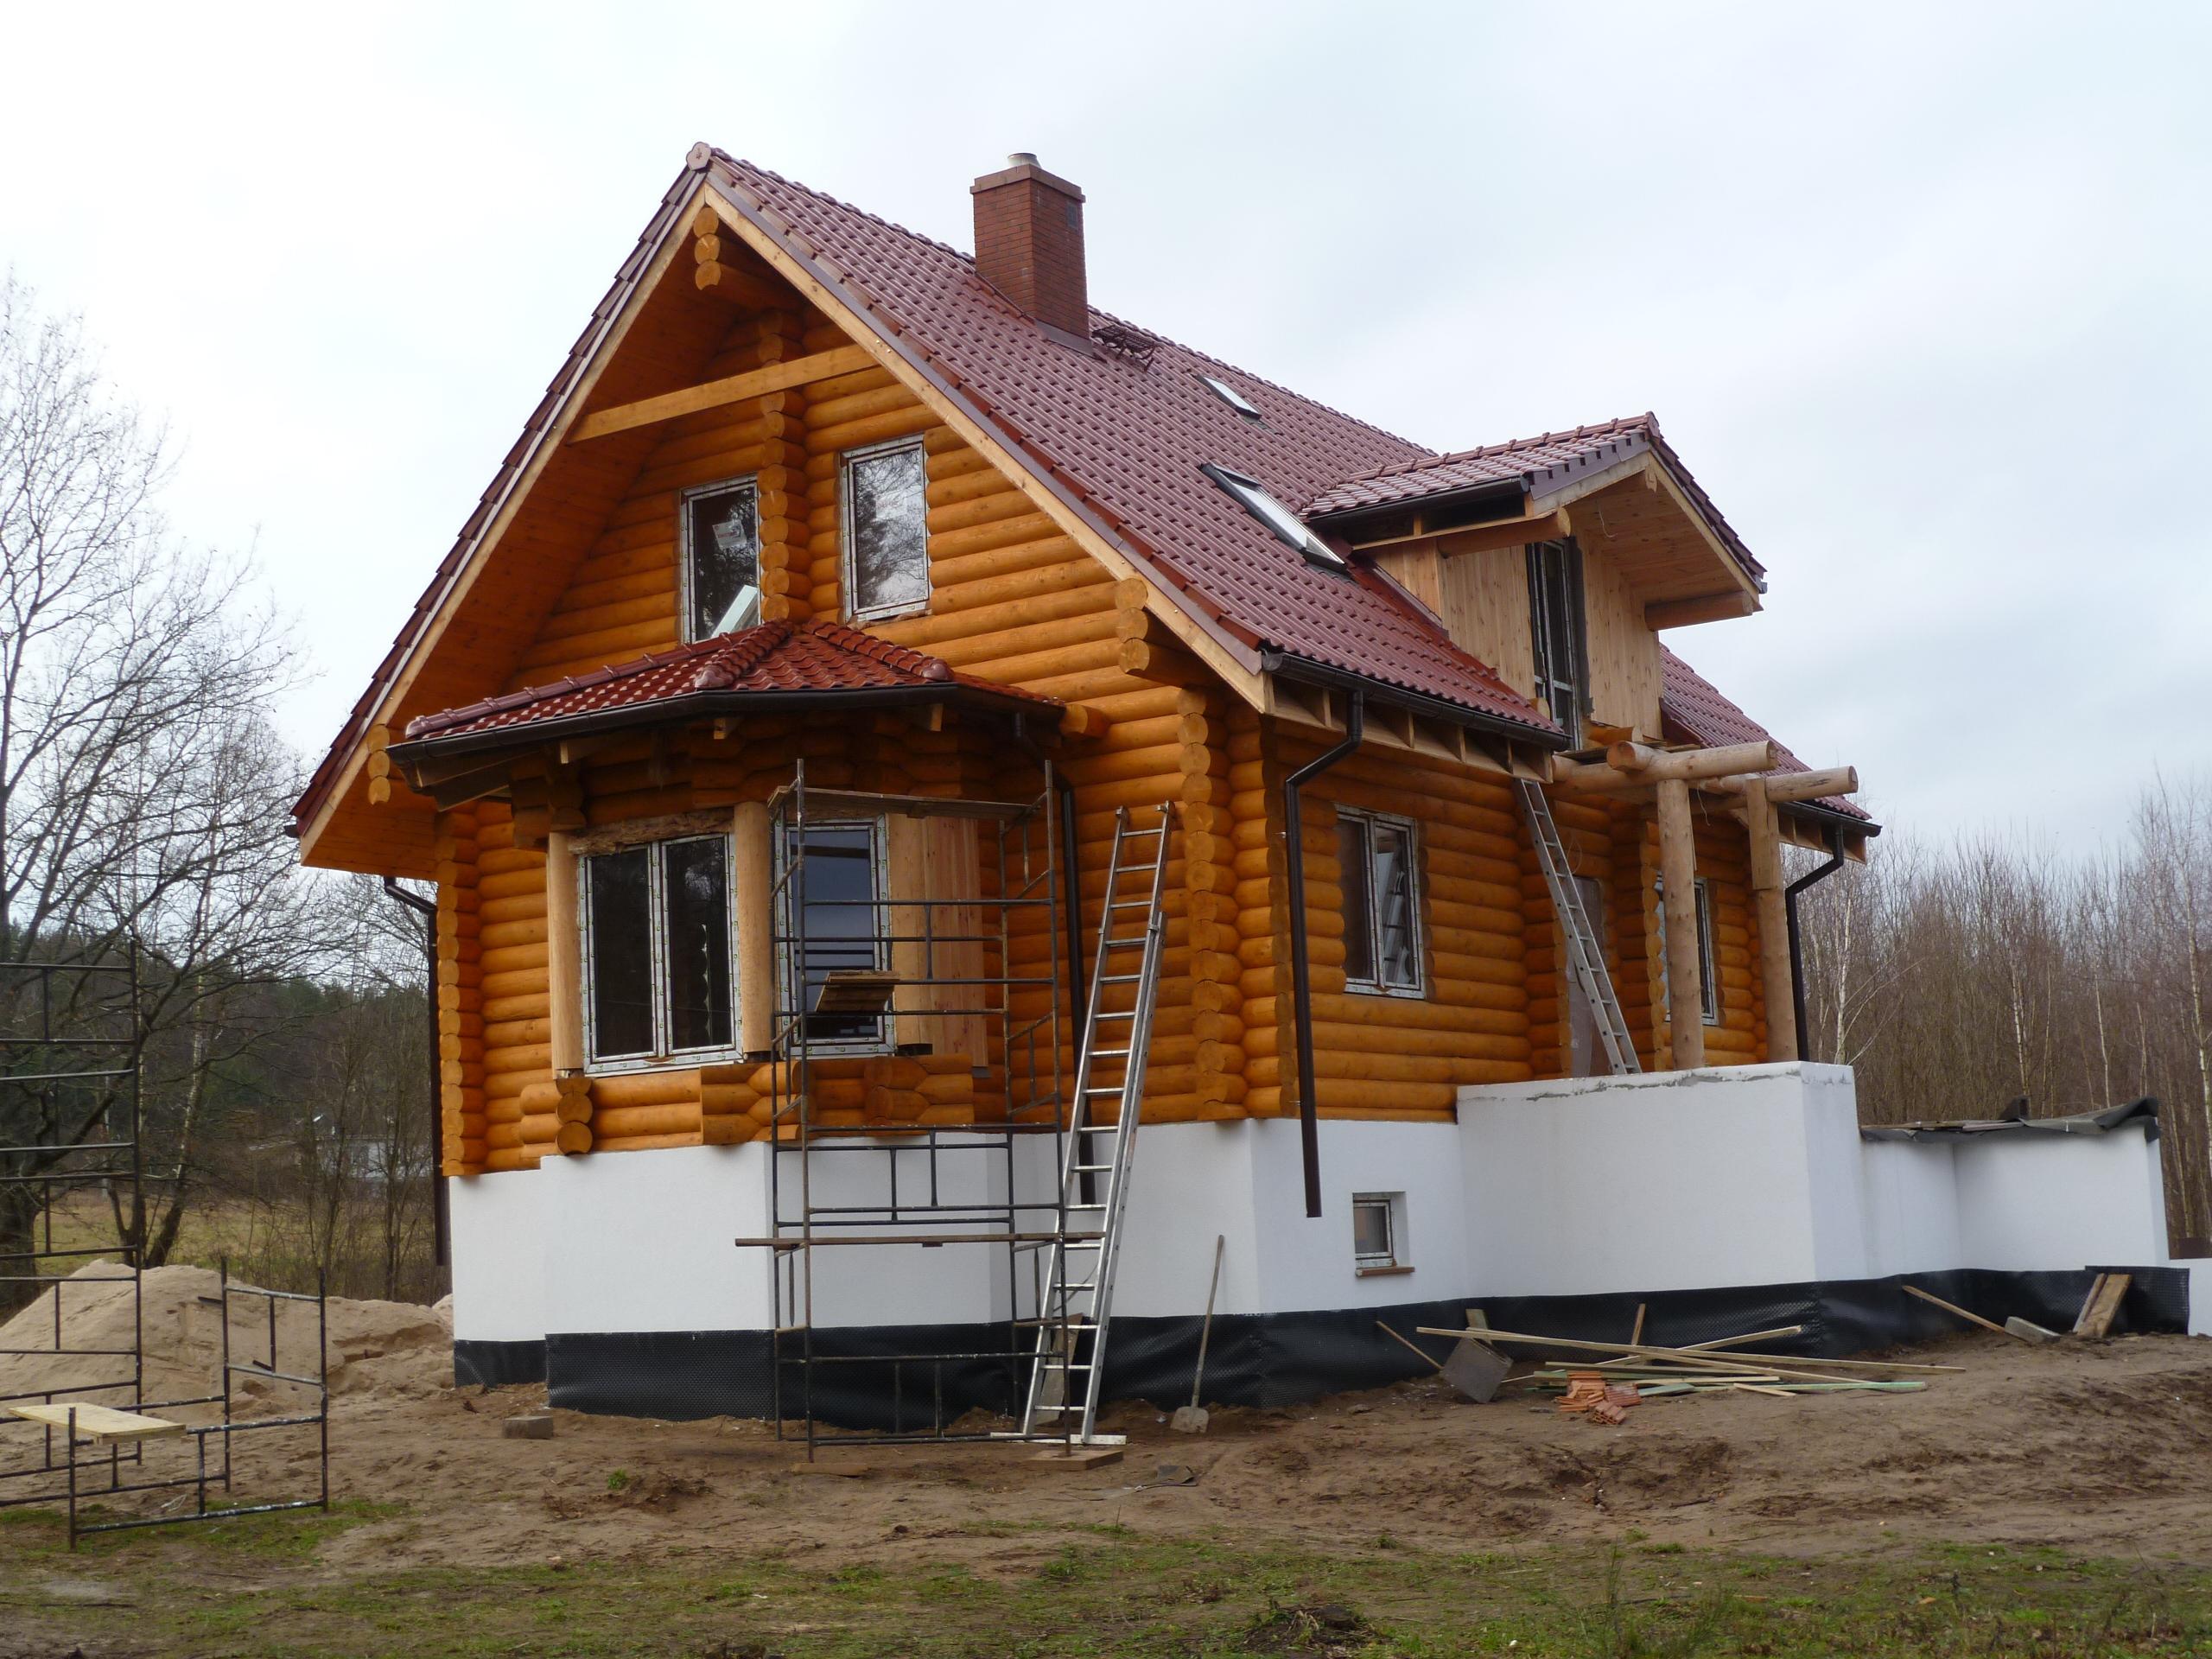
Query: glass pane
pixel 695 882
pixel 621 954
pixel 1359 899
pixel 890 530
pixel 1371 1228
pixel 838 894
pixel 1393 904
pixel 725 543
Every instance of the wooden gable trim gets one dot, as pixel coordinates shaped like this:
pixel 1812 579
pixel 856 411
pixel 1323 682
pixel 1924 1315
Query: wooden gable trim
pixel 1235 663
pixel 716 394
pixel 675 237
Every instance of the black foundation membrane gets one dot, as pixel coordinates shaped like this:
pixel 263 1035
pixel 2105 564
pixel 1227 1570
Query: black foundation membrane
pixel 1272 1359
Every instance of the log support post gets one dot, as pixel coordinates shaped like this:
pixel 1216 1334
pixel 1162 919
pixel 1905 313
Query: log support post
pixel 753 887
pixel 1777 984
pixel 564 957
pixel 1678 873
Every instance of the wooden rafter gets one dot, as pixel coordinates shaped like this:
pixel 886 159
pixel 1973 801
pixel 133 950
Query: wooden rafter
pixel 714 394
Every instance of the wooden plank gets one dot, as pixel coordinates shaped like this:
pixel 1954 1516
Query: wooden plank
pixel 732 389
pixel 98 1422
pixel 1953 1307
pixel 2103 1304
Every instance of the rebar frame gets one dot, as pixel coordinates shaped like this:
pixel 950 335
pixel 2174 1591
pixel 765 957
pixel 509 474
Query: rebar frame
pixel 1031 1050
pixel 110 1154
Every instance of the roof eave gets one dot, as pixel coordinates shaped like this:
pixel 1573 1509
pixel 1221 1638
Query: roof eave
pixel 1311 671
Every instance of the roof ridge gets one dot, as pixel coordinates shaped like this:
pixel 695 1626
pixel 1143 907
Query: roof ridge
pixel 1645 422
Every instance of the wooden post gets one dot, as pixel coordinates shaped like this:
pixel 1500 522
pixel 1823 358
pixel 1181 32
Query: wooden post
pixel 564 976
pixel 1678 871
pixel 906 876
pixel 752 884
pixel 1773 922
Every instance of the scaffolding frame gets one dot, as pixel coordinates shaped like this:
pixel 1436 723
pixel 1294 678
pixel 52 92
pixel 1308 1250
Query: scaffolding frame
pixel 56 1164
pixel 918 1211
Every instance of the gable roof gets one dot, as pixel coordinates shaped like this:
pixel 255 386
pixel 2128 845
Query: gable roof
pixel 1695 711
pixel 1541 465
pixel 1124 428
pixel 775 660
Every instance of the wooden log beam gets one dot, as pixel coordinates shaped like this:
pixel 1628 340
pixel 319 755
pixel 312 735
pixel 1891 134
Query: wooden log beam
pixel 715 277
pixel 752 886
pixel 1702 607
pixel 1507 532
pixel 1678 869
pixel 714 394
pixel 1771 911
pixel 1783 786
pixel 564 975
pixel 1633 766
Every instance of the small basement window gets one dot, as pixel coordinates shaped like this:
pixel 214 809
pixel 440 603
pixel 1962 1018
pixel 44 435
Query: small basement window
pixel 1228 394
pixel 1376 855
pixel 722 558
pixel 1255 500
pixel 886 513
pixel 657 983
pixel 1376 1232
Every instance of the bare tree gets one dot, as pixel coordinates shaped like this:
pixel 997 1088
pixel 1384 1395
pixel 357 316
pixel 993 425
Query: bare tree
pixel 143 788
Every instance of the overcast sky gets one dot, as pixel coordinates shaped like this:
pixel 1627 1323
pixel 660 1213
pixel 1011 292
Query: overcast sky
pixel 1920 294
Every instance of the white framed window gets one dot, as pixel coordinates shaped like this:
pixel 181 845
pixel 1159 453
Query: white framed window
pixel 657 989
pixel 1379 856
pixel 885 510
pixel 1557 634
pixel 1708 982
pixel 720 567
pixel 835 897
pixel 1253 496
pixel 1378 1233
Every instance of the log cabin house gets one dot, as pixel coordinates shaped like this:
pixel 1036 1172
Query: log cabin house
pixel 833 551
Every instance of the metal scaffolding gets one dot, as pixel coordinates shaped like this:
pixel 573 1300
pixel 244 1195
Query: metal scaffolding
pixel 71 1043
pixel 856 972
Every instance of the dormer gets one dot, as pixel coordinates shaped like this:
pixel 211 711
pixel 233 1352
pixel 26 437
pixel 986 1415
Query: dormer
pixel 1558 560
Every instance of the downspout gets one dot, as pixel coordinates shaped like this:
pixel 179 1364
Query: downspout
pixel 1071 873
pixel 1811 878
pixel 441 1222
pixel 1301 981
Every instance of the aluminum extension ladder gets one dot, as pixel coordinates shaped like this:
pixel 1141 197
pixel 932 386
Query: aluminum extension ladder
pixel 1585 954
pixel 1078 1293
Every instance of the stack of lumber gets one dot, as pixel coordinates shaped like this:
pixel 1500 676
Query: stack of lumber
pixel 1657 1372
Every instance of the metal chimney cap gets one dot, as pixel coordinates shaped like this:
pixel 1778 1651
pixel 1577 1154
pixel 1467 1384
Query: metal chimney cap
pixel 1022 158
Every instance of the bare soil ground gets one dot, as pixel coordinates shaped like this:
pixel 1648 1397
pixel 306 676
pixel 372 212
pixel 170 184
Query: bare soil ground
pixel 2096 1450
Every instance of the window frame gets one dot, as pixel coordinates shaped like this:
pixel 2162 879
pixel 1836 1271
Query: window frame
pixel 1281 523
pixel 849 551
pixel 1418 934
pixel 662 1057
pixel 793 974
pixel 1708 978
pixel 1392 1259
pixel 684 579
pixel 1576 644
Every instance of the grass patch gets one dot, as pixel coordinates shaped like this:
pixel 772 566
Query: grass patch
pixel 1092 1595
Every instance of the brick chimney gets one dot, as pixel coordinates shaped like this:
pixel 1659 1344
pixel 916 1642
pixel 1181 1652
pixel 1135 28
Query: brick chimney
pixel 1029 244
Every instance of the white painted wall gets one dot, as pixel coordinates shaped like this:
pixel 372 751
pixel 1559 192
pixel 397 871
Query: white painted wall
pixel 1731 1176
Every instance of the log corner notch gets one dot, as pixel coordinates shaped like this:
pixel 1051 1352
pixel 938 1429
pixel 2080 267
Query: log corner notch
pixel 1742 776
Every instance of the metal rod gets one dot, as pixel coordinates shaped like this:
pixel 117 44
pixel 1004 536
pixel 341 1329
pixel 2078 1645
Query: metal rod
pixel 1301 975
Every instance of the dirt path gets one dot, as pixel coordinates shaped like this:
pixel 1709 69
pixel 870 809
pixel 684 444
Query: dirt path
pixel 2101 1449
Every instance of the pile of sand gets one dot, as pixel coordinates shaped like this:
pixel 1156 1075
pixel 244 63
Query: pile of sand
pixel 394 1349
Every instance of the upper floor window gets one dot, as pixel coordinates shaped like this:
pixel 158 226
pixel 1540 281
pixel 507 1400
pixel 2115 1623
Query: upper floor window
pixel 1376 855
pixel 722 558
pixel 887 530
pixel 1556 633
pixel 656 984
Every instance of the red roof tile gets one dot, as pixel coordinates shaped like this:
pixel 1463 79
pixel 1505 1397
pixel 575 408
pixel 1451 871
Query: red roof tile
pixel 812 656
pixel 1695 712
pixel 1122 432
pixel 1541 465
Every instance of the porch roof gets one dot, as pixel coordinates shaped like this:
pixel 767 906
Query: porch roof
pixel 814 662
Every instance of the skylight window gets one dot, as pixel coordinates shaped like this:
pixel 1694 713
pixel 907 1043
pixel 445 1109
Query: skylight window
pixel 1228 394
pixel 1276 517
